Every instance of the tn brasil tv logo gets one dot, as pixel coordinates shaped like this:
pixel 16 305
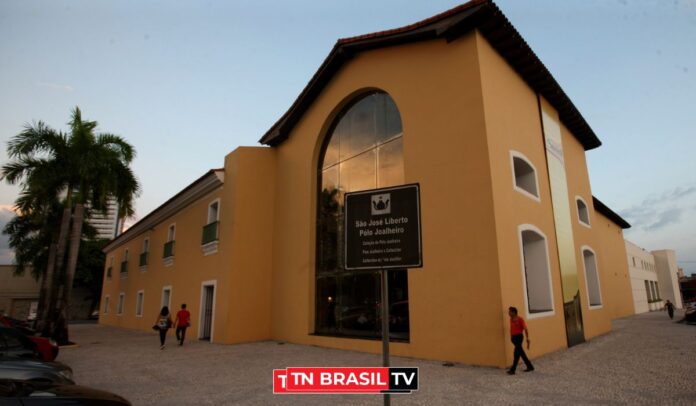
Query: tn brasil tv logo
pixel 345 380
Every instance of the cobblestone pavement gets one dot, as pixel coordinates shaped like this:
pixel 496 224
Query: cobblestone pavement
pixel 646 359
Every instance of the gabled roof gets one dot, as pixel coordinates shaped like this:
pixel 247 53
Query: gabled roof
pixel 483 15
pixel 211 180
pixel 608 213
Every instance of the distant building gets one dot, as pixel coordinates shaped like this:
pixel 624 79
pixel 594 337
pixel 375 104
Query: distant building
pixel 18 294
pixel 108 225
pixel 668 276
pixel 644 280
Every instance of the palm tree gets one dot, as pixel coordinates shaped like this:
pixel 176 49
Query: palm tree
pixel 33 233
pixel 86 170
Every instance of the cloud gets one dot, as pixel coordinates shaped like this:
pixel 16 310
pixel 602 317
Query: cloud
pixel 658 210
pixel 665 218
pixel 6 254
pixel 56 86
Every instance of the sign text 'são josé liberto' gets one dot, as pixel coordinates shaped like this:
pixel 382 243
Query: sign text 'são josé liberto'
pixel 383 228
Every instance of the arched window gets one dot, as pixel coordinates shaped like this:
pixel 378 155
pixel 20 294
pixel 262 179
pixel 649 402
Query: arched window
pixel 535 267
pixel 524 176
pixel 583 213
pixel 362 151
pixel 591 277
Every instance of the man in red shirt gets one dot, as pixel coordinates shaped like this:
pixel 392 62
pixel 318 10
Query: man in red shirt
pixel 182 322
pixel 517 327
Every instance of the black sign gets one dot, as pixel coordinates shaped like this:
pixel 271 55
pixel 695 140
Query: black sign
pixel 383 228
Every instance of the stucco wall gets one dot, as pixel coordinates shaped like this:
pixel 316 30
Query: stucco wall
pixel 454 300
pixel 189 270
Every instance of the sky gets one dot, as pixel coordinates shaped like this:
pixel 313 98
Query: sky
pixel 187 82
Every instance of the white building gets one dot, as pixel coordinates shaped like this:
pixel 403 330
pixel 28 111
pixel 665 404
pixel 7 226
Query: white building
pixel 668 276
pixel 644 280
pixel 108 225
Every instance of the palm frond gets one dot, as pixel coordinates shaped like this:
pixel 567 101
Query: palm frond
pixel 35 139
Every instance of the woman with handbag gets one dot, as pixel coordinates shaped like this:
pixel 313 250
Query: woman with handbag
pixel 163 324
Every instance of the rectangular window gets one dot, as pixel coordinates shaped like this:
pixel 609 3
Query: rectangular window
pixel 121 299
pixel 169 245
pixel 536 271
pixel 106 304
pixel 144 253
pixel 592 278
pixel 139 303
pixel 210 230
pixel 214 211
pixel 167 296
pixel 110 268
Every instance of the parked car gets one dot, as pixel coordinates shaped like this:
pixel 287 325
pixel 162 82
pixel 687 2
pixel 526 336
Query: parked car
pixel 47 347
pixel 12 322
pixel 35 370
pixel 690 312
pixel 39 394
pixel 17 345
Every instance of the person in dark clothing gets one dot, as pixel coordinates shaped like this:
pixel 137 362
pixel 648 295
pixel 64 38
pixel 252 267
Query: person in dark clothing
pixel 517 328
pixel 670 309
pixel 163 323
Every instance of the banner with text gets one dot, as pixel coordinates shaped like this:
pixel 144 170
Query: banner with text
pixel 345 380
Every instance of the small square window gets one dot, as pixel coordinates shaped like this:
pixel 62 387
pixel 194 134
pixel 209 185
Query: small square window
pixel 525 180
pixel 583 212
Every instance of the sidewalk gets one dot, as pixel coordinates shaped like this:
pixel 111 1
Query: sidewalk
pixel 646 359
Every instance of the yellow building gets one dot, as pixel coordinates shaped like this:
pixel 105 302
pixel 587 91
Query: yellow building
pixel 457 103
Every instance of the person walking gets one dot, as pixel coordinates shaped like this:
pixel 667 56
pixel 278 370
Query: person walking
pixel 517 328
pixel 670 309
pixel 163 323
pixel 181 323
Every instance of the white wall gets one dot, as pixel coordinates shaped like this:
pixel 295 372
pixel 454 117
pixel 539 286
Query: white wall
pixel 667 274
pixel 641 267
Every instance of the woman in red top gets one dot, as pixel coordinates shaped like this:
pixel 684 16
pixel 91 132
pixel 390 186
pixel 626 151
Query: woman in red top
pixel 517 327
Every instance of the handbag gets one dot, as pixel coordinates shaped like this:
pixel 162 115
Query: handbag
pixel 155 327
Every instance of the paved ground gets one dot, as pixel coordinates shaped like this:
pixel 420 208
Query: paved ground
pixel 645 360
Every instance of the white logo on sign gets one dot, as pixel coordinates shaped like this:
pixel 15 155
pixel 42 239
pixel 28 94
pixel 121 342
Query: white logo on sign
pixel 381 204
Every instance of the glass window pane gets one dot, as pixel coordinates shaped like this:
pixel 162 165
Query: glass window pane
pixel 359 173
pixel 365 151
pixel 398 305
pixel 331 153
pixel 393 118
pixel 358 303
pixel 330 223
pixel 391 164
pixel 326 305
pixel 213 213
pixel 360 134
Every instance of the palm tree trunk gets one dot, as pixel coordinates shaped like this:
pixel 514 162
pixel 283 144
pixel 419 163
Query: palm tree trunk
pixel 61 329
pixel 53 268
pixel 43 290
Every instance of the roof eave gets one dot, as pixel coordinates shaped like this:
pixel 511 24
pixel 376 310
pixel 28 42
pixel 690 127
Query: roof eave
pixel 609 213
pixel 450 25
pixel 210 181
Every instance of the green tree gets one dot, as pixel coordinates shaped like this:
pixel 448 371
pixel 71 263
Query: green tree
pixel 85 170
